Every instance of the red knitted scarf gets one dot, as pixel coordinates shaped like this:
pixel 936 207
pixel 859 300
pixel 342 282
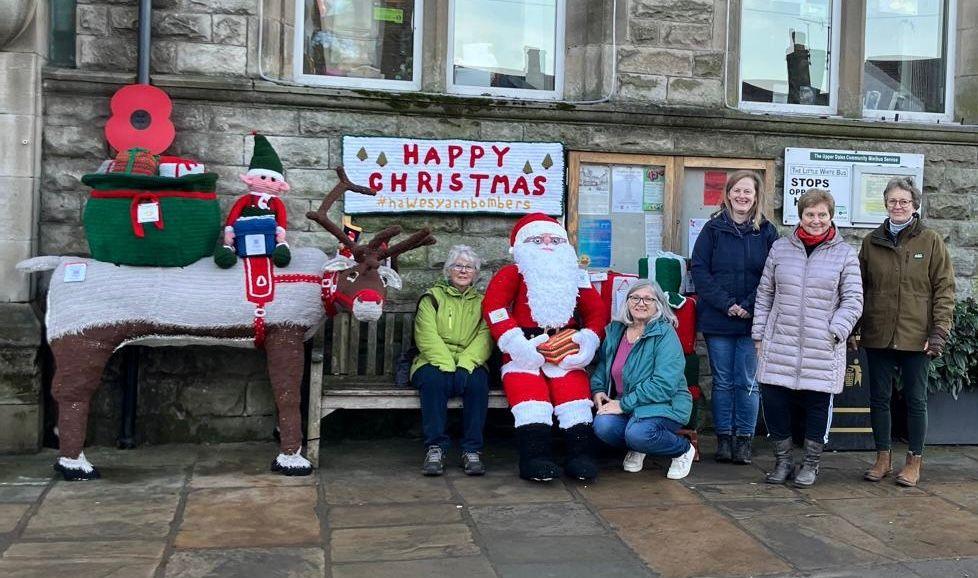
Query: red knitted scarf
pixel 811 240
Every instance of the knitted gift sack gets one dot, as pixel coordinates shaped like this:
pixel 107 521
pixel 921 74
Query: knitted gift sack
pixel 186 228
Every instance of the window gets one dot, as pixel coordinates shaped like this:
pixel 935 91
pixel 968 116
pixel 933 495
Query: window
pixel 788 55
pixel 506 48
pixel 908 59
pixel 359 44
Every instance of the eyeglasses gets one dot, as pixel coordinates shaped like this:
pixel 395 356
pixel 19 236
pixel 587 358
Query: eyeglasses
pixel 539 239
pixel 898 203
pixel 635 299
pixel 463 268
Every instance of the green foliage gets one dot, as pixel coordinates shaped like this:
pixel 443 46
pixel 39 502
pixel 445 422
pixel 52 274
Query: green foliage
pixel 957 369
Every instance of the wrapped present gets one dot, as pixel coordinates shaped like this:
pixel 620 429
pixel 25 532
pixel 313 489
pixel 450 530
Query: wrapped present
pixel 254 236
pixel 135 161
pixel 179 167
pixel 559 346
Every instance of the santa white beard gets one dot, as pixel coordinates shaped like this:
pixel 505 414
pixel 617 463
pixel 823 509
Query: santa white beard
pixel 551 279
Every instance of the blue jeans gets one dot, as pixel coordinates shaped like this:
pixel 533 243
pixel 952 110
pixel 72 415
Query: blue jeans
pixel 735 398
pixel 436 387
pixel 655 436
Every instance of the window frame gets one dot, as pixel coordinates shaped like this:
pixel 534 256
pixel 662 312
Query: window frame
pixel 417 22
pixel 835 37
pixel 560 49
pixel 950 38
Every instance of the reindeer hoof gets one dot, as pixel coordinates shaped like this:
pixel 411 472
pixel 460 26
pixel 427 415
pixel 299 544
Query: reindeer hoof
pixel 76 470
pixel 292 465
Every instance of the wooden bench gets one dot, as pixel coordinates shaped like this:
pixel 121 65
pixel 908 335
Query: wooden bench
pixel 352 367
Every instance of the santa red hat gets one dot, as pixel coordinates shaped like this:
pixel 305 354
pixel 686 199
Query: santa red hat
pixel 535 224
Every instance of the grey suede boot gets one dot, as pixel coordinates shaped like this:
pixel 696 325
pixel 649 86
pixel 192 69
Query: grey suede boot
pixel 784 467
pixel 809 468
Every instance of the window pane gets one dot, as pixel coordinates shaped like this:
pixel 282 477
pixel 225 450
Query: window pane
pixel 785 51
pixel 505 43
pixel 360 38
pixel 906 55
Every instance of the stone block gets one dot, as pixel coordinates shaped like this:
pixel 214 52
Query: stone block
pixel 714 144
pixel 571 135
pixel 63 239
pixel 182 26
pixel 408 222
pixel 268 121
pixel 63 109
pixel 116 53
pixel 296 209
pixel 488 226
pixel 649 88
pixel 649 140
pixel 960 180
pixel 14 285
pixel 968 234
pixel 18 72
pixel 258 398
pixel 501 131
pixel 643 32
pixel 124 17
pixel 213 398
pixel 17 219
pixel 661 61
pixel 230 30
pixel 966 99
pixel 244 7
pixel 963 260
pixel 941 206
pixel 698 11
pixel 695 92
pixel 302 152
pixel 323 122
pixel 316 239
pixel 163 57
pixel 85 141
pixel 494 251
pixel 17 142
pixel 92 19
pixel 21 431
pixel 19 388
pixel 439 128
pixel 62 174
pixel 311 183
pixel 708 64
pixel 211 148
pixel 211 59
pixel 20 328
pixel 192 117
pixel 680 35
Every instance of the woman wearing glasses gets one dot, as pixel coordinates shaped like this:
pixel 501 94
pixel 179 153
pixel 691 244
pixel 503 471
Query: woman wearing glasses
pixel 909 285
pixel 453 346
pixel 639 387
pixel 808 301
pixel 728 259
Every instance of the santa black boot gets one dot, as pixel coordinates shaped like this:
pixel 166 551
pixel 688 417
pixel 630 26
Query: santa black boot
pixel 580 452
pixel 536 459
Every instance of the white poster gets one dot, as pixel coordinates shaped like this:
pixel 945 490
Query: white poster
pixel 695 228
pixel 453 176
pixel 626 189
pixel 594 190
pixel 653 233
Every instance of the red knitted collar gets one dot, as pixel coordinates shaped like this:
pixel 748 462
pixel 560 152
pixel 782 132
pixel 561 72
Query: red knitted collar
pixel 810 240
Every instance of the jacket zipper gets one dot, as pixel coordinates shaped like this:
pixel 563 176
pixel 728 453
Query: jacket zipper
pixel 802 324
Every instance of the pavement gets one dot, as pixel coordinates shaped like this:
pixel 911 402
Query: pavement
pixel 215 510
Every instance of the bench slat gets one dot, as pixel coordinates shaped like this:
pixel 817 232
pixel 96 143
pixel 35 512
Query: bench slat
pixel 354 367
pixel 344 343
pixel 407 331
pixel 371 348
pixel 389 320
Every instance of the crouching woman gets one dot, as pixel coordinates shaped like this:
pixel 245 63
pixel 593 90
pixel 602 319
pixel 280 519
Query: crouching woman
pixel 808 301
pixel 639 387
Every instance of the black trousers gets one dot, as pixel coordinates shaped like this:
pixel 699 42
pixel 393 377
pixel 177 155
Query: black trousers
pixel 911 366
pixel 779 404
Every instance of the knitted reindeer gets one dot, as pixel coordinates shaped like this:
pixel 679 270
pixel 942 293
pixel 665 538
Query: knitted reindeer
pixel 95 308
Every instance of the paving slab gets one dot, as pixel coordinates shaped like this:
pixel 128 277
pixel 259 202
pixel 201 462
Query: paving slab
pixel 123 483
pixel 707 471
pixel 835 484
pixel 714 492
pixel 961 493
pixel 956 567
pixel 921 526
pixel 241 465
pixel 10 515
pixel 875 571
pixel 522 549
pixel 619 488
pixel 88 551
pixel 401 543
pixel 505 488
pixel 20 469
pixel 366 516
pixel 249 517
pixel 49 568
pixel 146 456
pixel 747 508
pixel 21 493
pixel 366 486
pixel 234 563
pixel 603 568
pixel 70 518
pixel 468 566
pixel 691 540
pixel 562 519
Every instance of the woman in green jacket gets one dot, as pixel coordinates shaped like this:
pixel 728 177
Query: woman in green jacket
pixel 453 345
pixel 639 386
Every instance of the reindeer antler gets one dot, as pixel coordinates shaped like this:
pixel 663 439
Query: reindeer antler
pixel 419 239
pixel 321 216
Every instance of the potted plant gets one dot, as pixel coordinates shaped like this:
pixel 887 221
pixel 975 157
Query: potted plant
pixel 953 391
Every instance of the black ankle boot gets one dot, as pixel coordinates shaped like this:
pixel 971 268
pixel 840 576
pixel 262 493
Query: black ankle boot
pixel 580 452
pixel 784 466
pixel 536 458
pixel 742 449
pixel 724 448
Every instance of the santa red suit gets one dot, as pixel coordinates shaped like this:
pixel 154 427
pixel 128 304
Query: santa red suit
pixel 543 292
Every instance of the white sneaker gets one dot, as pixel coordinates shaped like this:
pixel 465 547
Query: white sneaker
pixel 679 468
pixel 633 461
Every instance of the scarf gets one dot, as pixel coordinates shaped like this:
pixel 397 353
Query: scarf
pixel 810 240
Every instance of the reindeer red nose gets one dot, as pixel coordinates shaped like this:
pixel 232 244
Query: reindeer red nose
pixel 369 296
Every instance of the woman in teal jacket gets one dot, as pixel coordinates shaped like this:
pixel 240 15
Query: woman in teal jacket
pixel 639 386
pixel 453 346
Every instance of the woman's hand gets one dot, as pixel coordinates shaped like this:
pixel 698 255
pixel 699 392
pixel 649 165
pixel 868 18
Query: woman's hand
pixel 612 406
pixel 600 399
pixel 738 311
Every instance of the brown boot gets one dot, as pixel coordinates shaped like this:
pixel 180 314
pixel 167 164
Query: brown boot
pixel 882 467
pixel 910 474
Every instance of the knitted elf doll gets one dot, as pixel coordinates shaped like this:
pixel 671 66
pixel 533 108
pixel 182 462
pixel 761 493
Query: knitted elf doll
pixel 265 182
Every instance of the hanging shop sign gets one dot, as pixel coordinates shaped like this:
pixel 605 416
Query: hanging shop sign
pixel 856 180
pixel 454 176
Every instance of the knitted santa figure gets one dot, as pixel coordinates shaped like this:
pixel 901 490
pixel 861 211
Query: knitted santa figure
pixel 525 303
pixel 266 181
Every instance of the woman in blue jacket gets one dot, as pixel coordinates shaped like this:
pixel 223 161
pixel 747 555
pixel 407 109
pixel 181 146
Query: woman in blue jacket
pixel 639 386
pixel 728 260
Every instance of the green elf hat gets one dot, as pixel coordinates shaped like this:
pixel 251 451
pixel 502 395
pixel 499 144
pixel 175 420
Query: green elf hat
pixel 668 272
pixel 264 160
